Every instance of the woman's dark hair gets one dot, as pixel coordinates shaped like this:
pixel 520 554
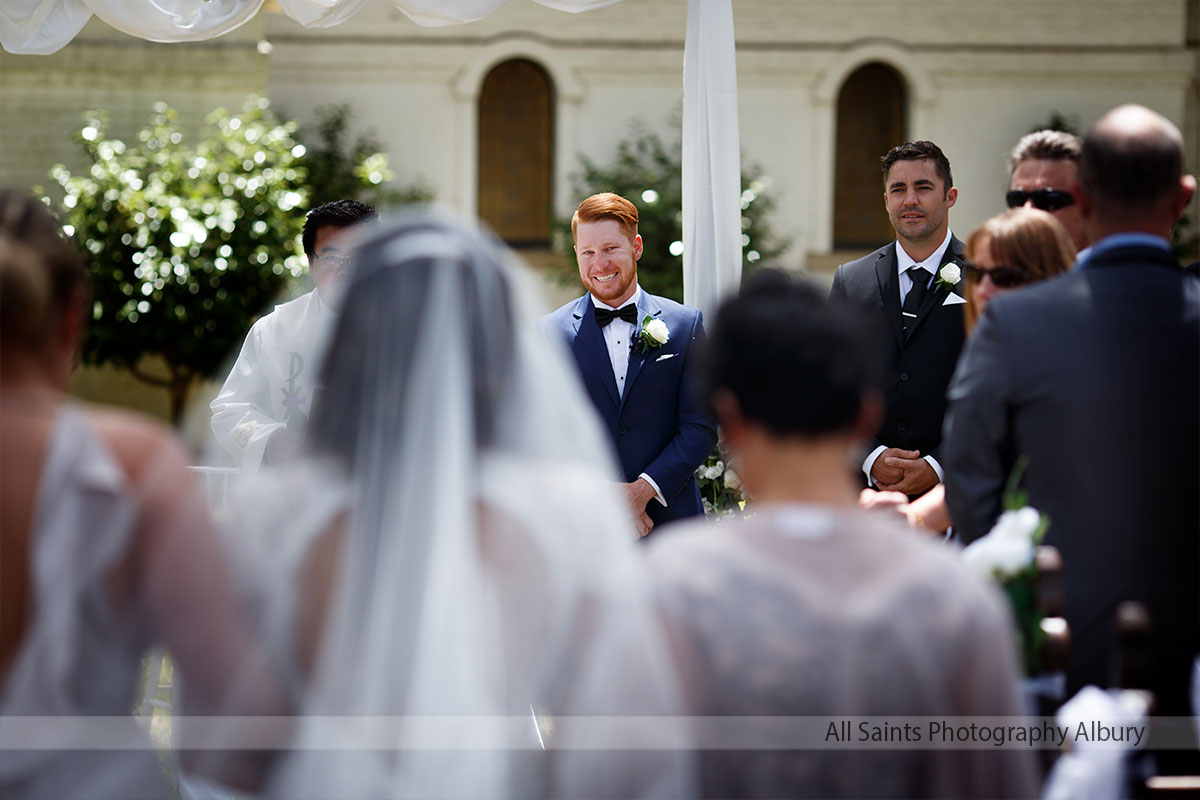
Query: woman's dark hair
pixel 41 271
pixel 796 365
pixel 383 316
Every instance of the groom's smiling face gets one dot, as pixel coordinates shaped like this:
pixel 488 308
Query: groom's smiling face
pixel 607 260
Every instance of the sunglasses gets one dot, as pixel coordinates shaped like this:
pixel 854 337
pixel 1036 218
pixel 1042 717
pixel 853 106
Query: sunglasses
pixel 1004 276
pixel 1045 199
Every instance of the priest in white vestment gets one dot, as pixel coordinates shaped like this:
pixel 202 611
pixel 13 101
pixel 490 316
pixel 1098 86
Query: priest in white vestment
pixel 261 413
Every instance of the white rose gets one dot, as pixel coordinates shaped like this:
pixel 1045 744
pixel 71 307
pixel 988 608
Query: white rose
pixel 951 274
pixel 995 557
pixel 1012 555
pixel 1019 524
pixel 1008 547
pixel 732 481
pixel 977 556
pixel 657 330
pixel 714 472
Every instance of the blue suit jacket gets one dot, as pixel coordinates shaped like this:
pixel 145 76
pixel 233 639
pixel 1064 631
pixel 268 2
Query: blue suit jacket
pixel 661 426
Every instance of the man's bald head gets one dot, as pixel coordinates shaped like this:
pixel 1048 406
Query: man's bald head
pixel 1131 166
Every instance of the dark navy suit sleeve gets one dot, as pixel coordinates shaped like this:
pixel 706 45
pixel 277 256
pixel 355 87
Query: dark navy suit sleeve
pixel 976 445
pixel 696 427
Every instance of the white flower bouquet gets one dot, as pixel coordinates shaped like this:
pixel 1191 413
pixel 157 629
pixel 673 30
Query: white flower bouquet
pixel 1006 555
pixel 720 486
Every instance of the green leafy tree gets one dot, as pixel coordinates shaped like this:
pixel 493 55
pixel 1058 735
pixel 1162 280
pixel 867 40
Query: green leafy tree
pixel 1059 121
pixel 339 167
pixel 185 244
pixel 646 171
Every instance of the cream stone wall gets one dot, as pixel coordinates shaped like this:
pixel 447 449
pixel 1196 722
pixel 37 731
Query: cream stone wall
pixel 979 74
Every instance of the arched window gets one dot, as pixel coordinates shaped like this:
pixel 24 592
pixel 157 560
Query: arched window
pixel 871 119
pixel 516 147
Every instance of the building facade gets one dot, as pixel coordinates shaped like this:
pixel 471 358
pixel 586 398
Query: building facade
pixel 495 114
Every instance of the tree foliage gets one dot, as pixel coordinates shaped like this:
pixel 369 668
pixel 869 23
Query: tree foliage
pixel 1059 121
pixel 647 171
pixel 341 166
pixel 185 243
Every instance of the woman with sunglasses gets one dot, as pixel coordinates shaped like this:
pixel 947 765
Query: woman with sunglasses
pixel 1013 249
pixel 1010 250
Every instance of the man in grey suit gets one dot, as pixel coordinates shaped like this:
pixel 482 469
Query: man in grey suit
pixel 919 318
pixel 1095 377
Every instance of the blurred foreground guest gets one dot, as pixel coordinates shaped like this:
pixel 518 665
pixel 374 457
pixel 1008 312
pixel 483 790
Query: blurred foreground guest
pixel 105 545
pixel 1009 251
pixel 261 413
pixel 813 608
pixel 452 547
pixel 1094 377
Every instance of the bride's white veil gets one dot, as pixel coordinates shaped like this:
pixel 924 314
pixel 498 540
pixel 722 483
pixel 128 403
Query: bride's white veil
pixel 485 563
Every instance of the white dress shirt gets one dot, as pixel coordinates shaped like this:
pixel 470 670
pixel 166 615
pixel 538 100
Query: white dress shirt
pixel 617 337
pixel 903 263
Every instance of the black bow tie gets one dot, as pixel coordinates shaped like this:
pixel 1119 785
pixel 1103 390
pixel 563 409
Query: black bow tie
pixel 607 315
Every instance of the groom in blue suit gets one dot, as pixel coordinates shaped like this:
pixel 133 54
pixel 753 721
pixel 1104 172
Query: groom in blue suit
pixel 636 353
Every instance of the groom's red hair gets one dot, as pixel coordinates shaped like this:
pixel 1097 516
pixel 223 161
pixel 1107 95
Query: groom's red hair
pixel 607 205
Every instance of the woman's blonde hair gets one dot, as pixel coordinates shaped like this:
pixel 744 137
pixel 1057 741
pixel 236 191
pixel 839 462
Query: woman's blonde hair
pixel 1026 238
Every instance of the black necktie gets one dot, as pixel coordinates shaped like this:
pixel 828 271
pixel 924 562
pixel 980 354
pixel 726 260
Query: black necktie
pixel 607 315
pixel 912 300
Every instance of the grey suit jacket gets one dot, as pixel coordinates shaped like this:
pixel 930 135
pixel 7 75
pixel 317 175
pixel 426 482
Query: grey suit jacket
pixel 1095 376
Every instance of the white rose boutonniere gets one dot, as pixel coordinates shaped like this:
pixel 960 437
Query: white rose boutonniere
pixel 948 277
pixel 654 334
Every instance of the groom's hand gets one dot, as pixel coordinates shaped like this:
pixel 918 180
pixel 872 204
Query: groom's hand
pixel 638 494
pixel 885 472
pixel 919 476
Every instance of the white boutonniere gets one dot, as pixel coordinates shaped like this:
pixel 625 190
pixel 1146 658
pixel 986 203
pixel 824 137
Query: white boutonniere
pixel 948 277
pixel 654 334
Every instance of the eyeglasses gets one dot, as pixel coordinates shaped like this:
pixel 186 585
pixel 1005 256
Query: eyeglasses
pixel 1045 199
pixel 1004 276
pixel 334 261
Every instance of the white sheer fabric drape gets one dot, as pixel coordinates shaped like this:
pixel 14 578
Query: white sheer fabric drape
pixel 712 182
pixel 39 27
